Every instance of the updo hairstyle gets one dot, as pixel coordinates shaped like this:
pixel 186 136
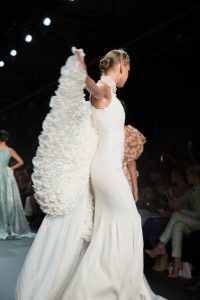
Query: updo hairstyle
pixel 113 57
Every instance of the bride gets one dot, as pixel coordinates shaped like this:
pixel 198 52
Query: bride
pixel 90 244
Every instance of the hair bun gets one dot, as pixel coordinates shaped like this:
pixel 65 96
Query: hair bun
pixel 105 63
pixel 115 56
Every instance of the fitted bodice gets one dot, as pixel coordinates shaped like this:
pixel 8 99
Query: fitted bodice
pixel 4 158
pixel 109 122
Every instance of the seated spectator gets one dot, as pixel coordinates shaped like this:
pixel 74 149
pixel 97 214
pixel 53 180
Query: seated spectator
pixel 153 198
pixel 33 212
pixel 154 227
pixel 182 222
pixel 23 179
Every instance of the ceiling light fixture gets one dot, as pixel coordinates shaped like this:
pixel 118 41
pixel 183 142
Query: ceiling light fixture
pixel 13 52
pixel 28 38
pixel 47 21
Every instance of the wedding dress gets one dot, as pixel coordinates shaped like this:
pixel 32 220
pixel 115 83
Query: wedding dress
pixel 75 255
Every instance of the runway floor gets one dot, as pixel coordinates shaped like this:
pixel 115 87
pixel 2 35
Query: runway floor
pixel 13 253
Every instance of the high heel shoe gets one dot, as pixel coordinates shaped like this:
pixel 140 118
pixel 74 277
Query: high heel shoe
pixel 177 269
pixel 156 251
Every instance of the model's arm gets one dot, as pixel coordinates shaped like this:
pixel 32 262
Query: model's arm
pixel 19 161
pixel 96 91
pixel 100 94
pixel 133 173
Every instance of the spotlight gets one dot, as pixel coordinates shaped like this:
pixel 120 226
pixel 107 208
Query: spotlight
pixel 28 38
pixel 13 52
pixel 1 63
pixel 47 21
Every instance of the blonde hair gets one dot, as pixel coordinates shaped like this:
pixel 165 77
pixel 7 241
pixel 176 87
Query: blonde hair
pixel 113 57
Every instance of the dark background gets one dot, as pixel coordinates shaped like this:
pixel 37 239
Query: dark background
pixel 162 38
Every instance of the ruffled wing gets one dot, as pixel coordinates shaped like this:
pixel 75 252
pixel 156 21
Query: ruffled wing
pixel 66 145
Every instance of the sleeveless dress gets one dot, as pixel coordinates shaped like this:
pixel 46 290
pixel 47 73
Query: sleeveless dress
pixel 62 264
pixel 13 223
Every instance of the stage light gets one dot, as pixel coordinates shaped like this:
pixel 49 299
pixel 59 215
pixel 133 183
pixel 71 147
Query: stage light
pixel 13 52
pixel 47 21
pixel 28 38
pixel 1 63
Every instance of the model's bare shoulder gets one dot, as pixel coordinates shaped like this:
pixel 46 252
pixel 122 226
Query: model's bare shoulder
pixel 105 101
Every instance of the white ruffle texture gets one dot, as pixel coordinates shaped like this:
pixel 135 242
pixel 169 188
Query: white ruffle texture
pixel 66 146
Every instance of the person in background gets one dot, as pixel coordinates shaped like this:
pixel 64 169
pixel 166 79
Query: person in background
pixel 13 223
pixel 154 227
pixel 153 197
pixel 182 222
pixel 24 184
pixel 133 148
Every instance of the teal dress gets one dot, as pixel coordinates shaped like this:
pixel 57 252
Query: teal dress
pixel 13 223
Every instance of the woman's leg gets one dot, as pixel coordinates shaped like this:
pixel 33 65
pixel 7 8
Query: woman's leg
pixel 167 234
pixel 159 249
pixel 179 229
pixel 184 225
pixel 191 222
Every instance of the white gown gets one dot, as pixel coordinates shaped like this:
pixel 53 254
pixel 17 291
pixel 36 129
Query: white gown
pixel 61 265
